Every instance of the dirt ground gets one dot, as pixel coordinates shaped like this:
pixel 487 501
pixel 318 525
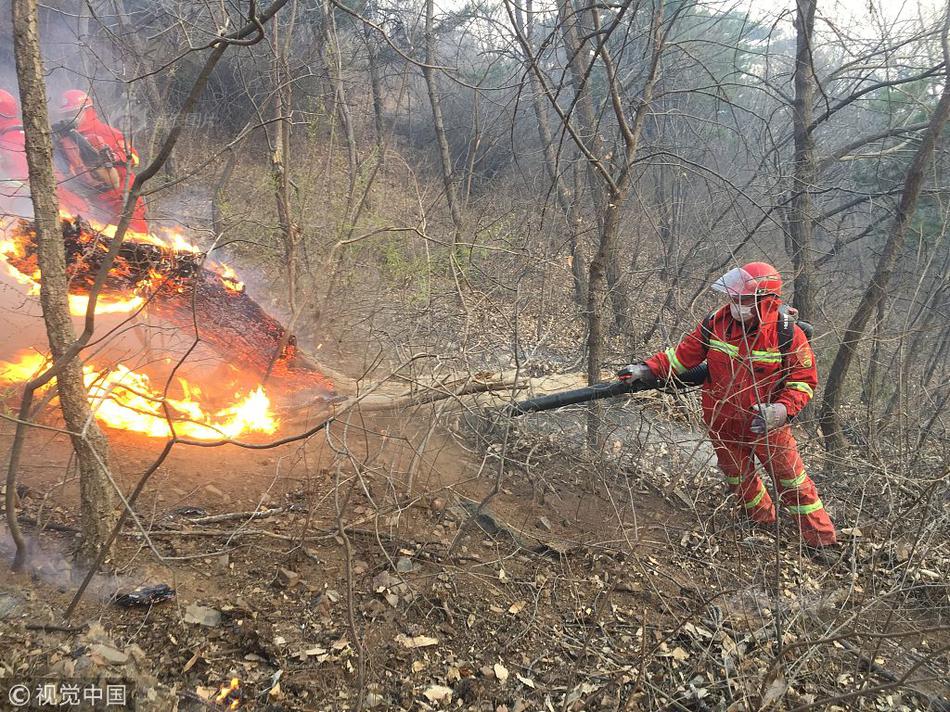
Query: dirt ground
pixel 582 584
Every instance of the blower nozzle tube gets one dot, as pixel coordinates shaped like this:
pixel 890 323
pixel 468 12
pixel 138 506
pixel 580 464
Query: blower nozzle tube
pixel 607 389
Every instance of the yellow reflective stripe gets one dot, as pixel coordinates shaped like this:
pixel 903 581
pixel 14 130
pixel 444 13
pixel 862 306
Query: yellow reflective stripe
pixel 805 508
pixel 674 362
pixel 733 480
pixel 800 386
pixel 795 481
pixel 757 498
pixel 733 351
pixel 723 347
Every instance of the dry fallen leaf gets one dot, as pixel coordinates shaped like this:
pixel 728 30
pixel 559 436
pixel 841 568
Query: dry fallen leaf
pixel 527 682
pixel 437 693
pixel 516 607
pixel 501 672
pixel 417 641
pixel 191 662
pixel 679 654
pixel 774 692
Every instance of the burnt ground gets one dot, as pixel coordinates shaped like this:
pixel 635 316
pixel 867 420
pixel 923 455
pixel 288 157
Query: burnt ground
pixel 621 580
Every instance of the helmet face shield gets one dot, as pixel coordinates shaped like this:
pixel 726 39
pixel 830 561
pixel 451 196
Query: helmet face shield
pixel 736 283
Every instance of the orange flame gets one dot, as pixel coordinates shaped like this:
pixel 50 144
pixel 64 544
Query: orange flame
pixel 230 694
pixel 169 239
pixel 10 249
pixel 104 305
pixel 229 278
pixel 120 397
pixel 126 400
pixel 29 365
pixel 77 302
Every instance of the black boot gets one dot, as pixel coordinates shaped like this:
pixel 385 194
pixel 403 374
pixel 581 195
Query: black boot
pixel 825 555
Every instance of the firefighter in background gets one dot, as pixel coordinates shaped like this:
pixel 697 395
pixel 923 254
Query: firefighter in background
pixel 15 173
pixel 752 393
pixel 13 169
pixel 96 159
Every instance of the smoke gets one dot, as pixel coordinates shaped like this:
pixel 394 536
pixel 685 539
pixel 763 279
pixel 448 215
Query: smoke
pixel 90 54
pixel 51 564
pixel 79 52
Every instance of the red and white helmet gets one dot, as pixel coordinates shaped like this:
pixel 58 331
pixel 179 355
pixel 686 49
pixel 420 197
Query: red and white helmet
pixel 8 105
pixel 753 279
pixel 73 101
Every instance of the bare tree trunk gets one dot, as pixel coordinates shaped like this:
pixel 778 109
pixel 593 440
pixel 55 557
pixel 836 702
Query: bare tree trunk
pixel 913 354
pixel 333 62
pixel 577 22
pixel 800 223
pixel 610 180
pixel 578 67
pixel 619 297
pixel 376 84
pixel 157 102
pixel 474 144
pixel 283 108
pixel 834 389
pixel 435 101
pixel 597 291
pixel 98 513
pixel 217 215
pixel 869 391
pixel 564 201
pixel 38 139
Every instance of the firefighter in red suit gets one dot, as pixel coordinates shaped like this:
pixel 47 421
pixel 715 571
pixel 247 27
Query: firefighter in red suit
pixel 752 392
pixel 14 172
pixel 13 169
pixel 97 159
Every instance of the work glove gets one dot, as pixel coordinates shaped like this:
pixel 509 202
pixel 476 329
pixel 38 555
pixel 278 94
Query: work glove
pixel 768 416
pixel 633 372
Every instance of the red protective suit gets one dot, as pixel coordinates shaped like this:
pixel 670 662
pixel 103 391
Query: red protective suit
pixel 12 152
pixel 108 185
pixel 15 175
pixel 746 368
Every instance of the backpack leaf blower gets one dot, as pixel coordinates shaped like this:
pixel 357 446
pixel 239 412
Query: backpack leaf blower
pixel 607 389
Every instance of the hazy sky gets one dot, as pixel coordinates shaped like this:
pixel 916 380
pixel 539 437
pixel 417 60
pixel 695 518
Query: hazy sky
pixel 866 13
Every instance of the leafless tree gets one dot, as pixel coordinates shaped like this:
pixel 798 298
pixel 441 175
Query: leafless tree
pixel 91 446
pixel 877 288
